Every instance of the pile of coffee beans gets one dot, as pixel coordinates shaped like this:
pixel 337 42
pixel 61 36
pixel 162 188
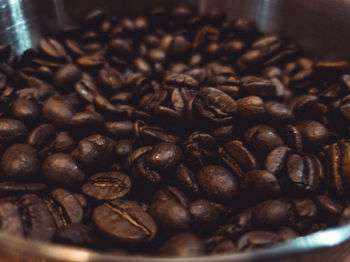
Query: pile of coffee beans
pixel 173 133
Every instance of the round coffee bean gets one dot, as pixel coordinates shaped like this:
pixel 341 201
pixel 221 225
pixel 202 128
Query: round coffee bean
pixel 66 76
pixel 107 186
pixel 313 132
pixel 62 170
pixel 183 245
pixel 270 213
pixel 12 131
pixel 217 182
pixel 25 110
pixel 125 222
pixel 164 156
pixel 20 162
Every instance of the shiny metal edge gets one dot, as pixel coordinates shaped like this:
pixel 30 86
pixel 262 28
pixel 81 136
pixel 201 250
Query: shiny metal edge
pixel 52 252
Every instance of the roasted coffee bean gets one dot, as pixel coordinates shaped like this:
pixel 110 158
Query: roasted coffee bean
pixel 20 162
pixel 37 221
pixel 12 131
pixel 164 156
pixel 110 79
pixel 278 112
pixel 271 213
pixel 171 192
pixel 205 217
pixel 25 110
pixel 263 88
pixel 262 138
pixel 66 77
pixel 171 216
pixel 76 235
pixel 275 160
pixel 219 244
pixel 337 162
pixel 107 186
pixel 328 207
pixel 94 152
pixel 64 207
pixel 123 148
pixel 238 225
pixel 313 132
pixel 238 157
pixel 53 49
pixel 287 233
pixel 124 222
pixel 304 213
pixel 214 105
pixel 62 170
pixel 251 108
pixel 41 136
pixel 64 142
pixel 293 138
pixel 59 112
pixel 261 182
pixel 200 149
pixel 185 178
pixel 217 182
pixel 257 239
pixel 183 245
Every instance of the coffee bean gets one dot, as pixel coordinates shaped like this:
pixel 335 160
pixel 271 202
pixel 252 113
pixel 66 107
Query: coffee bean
pixel 12 188
pixel 64 142
pixel 25 110
pixel 41 136
pixel 329 207
pixel 303 215
pixel 257 239
pixel 12 131
pixel 107 186
pixel 66 77
pixel 62 170
pixel 238 157
pixel 219 244
pixel 217 182
pixel 183 245
pixel 20 162
pixel 270 213
pixel 59 112
pixel 313 132
pixel 125 222
pixel 238 225
pixel 37 221
pixel 10 217
pixel 261 182
pixel 53 49
pixel 110 79
pixel 278 112
pixel 250 108
pixel 337 159
pixel 75 234
pixel 275 160
pixel 186 179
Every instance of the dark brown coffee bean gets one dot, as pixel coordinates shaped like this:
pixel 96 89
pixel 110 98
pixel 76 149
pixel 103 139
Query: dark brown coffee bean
pixel 293 138
pixel 125 222
pixel 200 149
pixel 217 182
pixel 238 157
pixel 329 207
pixel 251 108
pixel 66 206
pixel 238 225
pixel 75 234
pixel 214 105
pixel 62 170
pixel 278 112
pixel 37 221
pixel 164 156
pixel 64 142
pixel 257 239
pixel 261 182
pixel 123 148
pixel 20 162
pixel 121 48
pixel 58 112
pixel 275 160
pixel 262 138
pixel 94 152
pixel 185 178
pixel 53 49
pixel 88 119
pixel 256 86
pixel 271 213
pixel 66 77
pixel 107 186
pixel 25 110
pixel 303 215
pixel 171 216
pixel 12 131
pixel 41 136
pixel 337 160
pixel 110 79
pixel 183 245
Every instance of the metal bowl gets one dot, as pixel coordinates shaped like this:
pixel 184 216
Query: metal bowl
pixel 319 26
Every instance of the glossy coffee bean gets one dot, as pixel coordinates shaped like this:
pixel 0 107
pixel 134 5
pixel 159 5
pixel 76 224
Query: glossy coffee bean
pixel 107 186
pixel 217 182
pixel 20 162
pixel 183 245
pixel 124 222
pixel 12 131
pixel 62 170
pixel 25 110
pixel 270 213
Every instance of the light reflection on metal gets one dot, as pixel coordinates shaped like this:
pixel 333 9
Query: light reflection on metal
pixel 19 25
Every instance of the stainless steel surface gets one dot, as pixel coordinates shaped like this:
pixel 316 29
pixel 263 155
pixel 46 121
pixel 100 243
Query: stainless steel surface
pixel 319 26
